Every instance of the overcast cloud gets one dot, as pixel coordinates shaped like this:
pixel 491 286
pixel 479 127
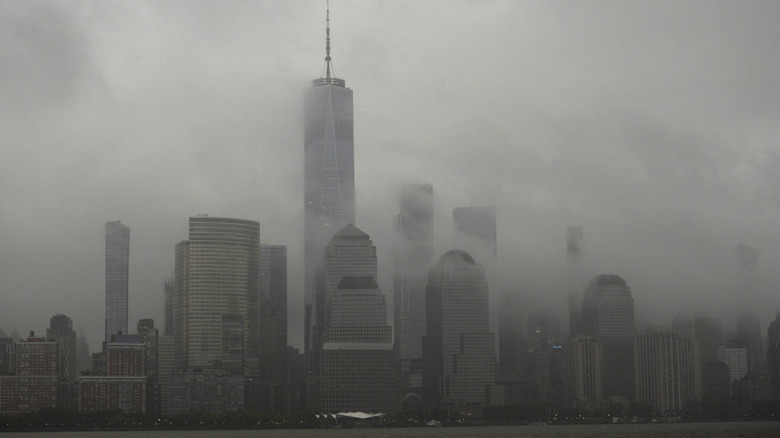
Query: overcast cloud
pixel 654 125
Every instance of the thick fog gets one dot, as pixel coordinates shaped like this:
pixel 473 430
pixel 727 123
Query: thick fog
pixel 653 125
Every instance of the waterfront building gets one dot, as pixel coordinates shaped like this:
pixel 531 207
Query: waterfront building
pixel 216 275
pixel 459 350
pixel 666 372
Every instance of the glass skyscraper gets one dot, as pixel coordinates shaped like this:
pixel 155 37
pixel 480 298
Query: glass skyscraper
pixel 217 279
pixel 458 348
pixel 117 267
pixel 329 172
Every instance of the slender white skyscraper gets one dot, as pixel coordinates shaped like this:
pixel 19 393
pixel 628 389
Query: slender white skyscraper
pixel 329 173
pixel 117 269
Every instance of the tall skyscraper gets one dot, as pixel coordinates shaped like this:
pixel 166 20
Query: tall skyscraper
pixel 459 350
pixel 216 281
pixel 608 316
pixel 329 172
pixel 413 259
pixel 350 253
pixel 574 274
pixel 475 229
pixel 117 267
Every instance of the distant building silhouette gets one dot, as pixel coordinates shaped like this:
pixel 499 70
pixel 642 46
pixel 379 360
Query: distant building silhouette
pixel 117 270
pixel 608 316
pixel 459 350
pixel 413 259
pixel 329 173
pixel 574 275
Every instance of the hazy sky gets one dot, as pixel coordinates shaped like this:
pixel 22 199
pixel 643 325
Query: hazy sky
pixel 653 125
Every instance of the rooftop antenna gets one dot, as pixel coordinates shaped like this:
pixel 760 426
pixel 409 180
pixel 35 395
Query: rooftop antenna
pixel 327 39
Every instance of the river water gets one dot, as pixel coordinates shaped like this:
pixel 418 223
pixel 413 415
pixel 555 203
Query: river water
pixel 657 430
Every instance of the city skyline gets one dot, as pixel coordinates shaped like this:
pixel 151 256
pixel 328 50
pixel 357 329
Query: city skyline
pixel 658 138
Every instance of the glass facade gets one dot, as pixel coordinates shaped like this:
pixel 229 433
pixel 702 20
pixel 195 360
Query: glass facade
pixel 459 350
pixel 216 275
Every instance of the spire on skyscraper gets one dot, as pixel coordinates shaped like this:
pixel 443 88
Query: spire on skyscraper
pixel 328 63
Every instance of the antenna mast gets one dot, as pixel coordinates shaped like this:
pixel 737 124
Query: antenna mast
pixel 327 39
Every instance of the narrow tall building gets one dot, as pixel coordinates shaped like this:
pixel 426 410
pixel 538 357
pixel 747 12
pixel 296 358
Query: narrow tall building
pixel 413 259
pixel 608 316
pixel 329 171
pixel 117 268
pixel 216 281
pixel 459 349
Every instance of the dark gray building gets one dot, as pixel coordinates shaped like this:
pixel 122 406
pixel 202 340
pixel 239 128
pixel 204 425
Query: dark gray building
pixel 117 268
pixel 608 316
pixel 459 350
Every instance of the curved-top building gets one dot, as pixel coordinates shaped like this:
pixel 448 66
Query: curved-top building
pixel 217 283
pixel 459 350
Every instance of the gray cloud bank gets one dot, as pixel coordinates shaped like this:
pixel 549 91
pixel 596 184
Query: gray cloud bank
pixel 654 125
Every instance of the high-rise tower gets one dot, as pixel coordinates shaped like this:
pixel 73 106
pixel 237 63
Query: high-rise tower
pixel 329 172
pixel 117 264
pixel 413 258
pixel 608 316
pixel 217 281
pixel 459 349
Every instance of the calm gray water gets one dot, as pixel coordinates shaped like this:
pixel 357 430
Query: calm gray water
pixel 693 430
